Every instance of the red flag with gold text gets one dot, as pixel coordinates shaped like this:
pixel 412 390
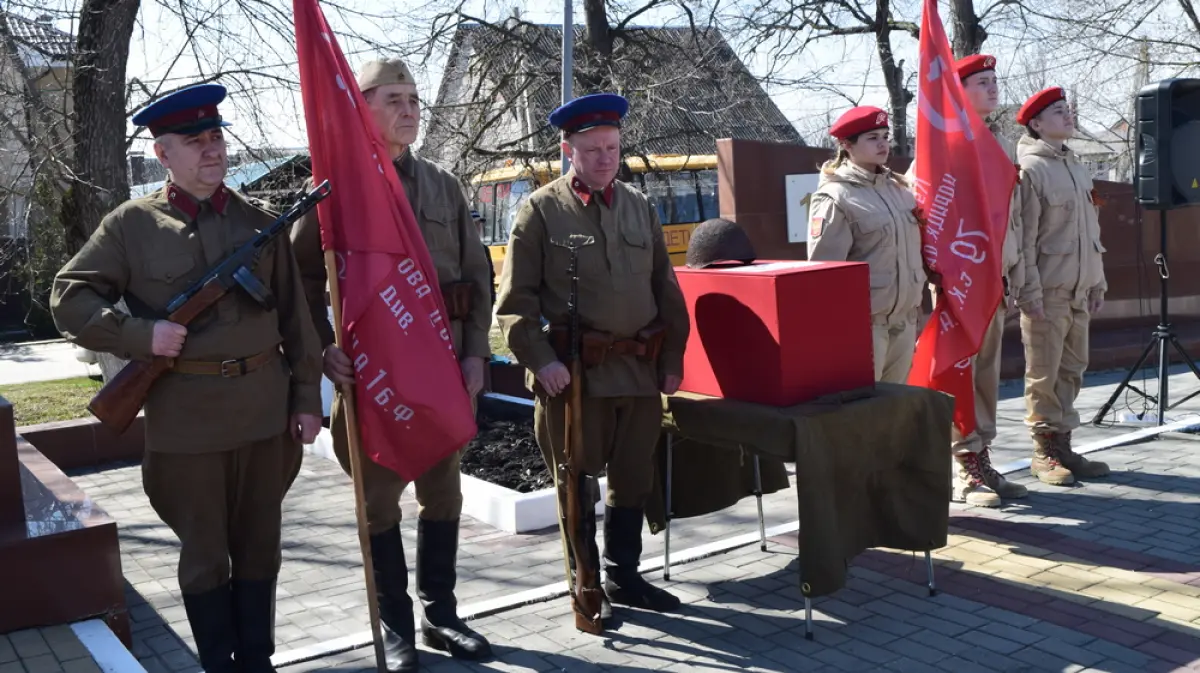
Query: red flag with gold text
pixel 963 182
pixel 413 407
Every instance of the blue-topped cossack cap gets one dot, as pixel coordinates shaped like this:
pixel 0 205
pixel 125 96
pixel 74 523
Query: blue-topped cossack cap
pixel 188 111
pixel 588 112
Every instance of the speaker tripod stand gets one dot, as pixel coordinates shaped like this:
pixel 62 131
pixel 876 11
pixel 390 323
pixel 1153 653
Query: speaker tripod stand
pixel 1164 336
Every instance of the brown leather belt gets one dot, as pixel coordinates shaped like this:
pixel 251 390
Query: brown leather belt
pixel 226 368
pixel 628 347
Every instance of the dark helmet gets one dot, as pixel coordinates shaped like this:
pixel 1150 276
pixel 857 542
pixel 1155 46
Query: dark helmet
pixel 719 240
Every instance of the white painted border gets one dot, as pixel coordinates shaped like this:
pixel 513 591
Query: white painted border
pixel 503 508
pixel 106 649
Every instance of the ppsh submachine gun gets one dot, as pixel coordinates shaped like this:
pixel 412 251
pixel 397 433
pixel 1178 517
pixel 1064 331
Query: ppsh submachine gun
pixel 118 402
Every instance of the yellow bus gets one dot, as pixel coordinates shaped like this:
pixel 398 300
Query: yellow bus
pixel 682 188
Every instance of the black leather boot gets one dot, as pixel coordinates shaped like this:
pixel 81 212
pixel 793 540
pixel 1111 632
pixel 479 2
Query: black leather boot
pixel 254 602
pixel 395 605
pixel 211 616
pixel 441 629
pixel 622 554
pixel 605 605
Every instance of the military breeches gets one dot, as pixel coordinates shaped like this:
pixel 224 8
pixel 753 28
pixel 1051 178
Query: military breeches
pixel 1056 356
pixel 619 435
pixel 225 507
pixel 439 490
pixel 987 389
pixel 894 343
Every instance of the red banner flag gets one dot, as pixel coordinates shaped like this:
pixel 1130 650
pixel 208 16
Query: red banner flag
pixel 963 183
pixel 413 407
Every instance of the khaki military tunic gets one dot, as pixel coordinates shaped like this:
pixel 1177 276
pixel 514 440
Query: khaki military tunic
pixel 1064 269
pixel 859 216
pixel 626 282
pixel 444 218
pixel 149 250
pixel 220 454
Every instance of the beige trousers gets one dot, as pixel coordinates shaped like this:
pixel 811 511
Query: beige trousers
pixel 987 388
pixel 1056 356
pixel 894 344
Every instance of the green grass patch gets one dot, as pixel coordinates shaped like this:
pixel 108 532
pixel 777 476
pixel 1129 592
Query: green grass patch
pixel 496 340
pixel 48 401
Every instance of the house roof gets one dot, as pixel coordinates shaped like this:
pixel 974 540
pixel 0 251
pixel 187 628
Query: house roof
pixel 239 177
pixel 39 41
pixel 686 90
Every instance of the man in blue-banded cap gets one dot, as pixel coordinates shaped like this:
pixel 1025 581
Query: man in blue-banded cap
pixel 224 425
pixel 627 293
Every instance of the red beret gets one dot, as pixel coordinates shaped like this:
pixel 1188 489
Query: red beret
pixel 974 64
pixel 1038 102
pixel 859 120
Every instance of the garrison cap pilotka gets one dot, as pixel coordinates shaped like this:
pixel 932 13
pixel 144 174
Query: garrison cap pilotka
pixel 719 240
pixel 384 71
pixel 187 111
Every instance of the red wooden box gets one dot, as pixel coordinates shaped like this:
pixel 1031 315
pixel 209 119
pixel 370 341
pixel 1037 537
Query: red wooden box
pixel 778 332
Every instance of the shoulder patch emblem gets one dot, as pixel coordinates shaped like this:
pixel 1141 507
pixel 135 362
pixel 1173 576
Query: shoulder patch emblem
pixel 816 226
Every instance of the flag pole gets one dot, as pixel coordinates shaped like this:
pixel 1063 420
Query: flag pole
pixel 354 442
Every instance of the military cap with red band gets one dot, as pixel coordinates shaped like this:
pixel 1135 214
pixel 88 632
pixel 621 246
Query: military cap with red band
pixel 188 111
pixel 1039 102
pixel 859 120
pixel 588 112
pixel 974 64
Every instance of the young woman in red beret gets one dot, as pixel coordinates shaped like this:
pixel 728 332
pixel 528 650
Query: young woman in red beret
pixel 864 212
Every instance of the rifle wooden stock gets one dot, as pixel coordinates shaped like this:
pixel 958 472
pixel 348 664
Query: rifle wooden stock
pixel 581 518
pixel 120 400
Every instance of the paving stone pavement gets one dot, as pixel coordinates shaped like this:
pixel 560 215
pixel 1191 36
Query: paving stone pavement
pixel 1133 535
pixel 54 649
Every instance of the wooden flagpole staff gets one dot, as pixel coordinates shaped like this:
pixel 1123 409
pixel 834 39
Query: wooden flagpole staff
pixel 356 460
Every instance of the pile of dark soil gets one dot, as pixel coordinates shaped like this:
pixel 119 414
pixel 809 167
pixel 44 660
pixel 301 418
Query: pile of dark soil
pixel 505 452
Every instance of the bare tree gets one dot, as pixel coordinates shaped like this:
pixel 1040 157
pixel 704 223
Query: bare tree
pixel 685 83
pixel 788 28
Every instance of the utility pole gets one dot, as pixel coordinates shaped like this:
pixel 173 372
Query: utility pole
pixel 568 65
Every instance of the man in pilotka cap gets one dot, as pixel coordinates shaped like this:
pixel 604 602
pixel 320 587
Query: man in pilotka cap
pixel 627 288
pixel 461 262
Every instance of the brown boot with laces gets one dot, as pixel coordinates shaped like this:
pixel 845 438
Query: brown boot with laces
pixel 1077 464
pixel 996 481
pixel 1047 466
pixel 969 486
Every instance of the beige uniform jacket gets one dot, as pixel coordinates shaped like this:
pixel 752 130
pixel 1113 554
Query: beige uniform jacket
pixel 445 221
pixel 626 281
pixel 1013 262
pixel 149 250
pixel 1060 226
pixel 868 217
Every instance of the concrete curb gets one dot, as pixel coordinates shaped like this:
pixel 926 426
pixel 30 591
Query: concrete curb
pixel 106 649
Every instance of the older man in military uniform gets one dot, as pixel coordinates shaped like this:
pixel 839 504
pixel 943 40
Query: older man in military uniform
pixel 626 285
pixel 462 269
pixel 1064 284
pixel 224 425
